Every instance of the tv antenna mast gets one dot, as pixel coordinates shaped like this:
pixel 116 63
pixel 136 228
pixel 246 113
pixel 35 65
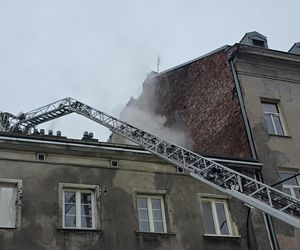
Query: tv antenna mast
pixel 158 63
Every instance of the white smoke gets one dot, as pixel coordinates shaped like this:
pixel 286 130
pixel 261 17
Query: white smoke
pixel 155 124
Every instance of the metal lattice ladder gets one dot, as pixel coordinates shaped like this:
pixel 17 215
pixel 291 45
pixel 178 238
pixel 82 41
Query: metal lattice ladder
pixel 244 188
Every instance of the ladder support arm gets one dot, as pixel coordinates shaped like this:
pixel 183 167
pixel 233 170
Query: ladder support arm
pixel 249 190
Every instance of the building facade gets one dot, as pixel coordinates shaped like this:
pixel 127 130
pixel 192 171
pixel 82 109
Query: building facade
pixel 237 105
pixel 238 101
pixel 58 193
pixel 270 88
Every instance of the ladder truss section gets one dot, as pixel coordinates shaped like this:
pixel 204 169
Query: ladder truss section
pixel 25 121
pixel 249 190
pixel 5 120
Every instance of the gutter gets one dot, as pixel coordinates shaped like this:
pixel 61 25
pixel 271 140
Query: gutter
pixel 254 165
pixel 142 151
pixel 269 224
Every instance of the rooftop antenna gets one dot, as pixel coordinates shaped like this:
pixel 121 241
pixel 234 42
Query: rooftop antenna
pixel 158 62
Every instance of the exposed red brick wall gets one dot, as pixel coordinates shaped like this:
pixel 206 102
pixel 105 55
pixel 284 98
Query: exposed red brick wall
pixel 199 98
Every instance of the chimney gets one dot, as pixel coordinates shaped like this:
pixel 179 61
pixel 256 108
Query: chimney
pixel 88 137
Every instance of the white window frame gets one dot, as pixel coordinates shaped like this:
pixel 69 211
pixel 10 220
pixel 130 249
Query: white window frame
pixel 291 187
pixel 18 185
pixel 272 115
pixel 78 189
pixel 150 214
pixel 215 218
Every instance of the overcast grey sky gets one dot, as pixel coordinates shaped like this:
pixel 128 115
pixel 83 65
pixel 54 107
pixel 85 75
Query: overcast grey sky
pixel 100 51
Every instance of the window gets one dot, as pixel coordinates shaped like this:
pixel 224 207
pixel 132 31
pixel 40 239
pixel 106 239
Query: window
pixel 151 214
pixel 180 170
pixel 40 156
pixel 79 209
pixel 114 163
pixel 290 186
pixel 258 43
pixel 8 200
pixel 10 204
pixel 216 217
pixel 272 118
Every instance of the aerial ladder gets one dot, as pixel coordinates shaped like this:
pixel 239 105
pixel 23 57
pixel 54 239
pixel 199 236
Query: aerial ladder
pixel 240 186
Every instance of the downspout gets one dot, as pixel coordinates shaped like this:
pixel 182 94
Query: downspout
pixel 243 109
pixel 269 223
pixel 267 218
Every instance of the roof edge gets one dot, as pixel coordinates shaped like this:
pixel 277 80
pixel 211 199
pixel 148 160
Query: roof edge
pixel 224 47
pixel 4 136
pixel 262 51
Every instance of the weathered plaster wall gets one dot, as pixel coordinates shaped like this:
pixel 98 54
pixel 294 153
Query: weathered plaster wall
pixel 275 80
pixel 275 76
pixel 40 222
pixel 200 99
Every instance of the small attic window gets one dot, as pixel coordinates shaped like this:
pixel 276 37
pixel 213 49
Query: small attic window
pixel 114 163
pixel 258 43
pixel 180 170
pixel 41 156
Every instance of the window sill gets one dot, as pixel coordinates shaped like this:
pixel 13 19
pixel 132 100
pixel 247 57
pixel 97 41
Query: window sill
pixel 283 136
pixel 221 237
pixel 80 230
pixel 152 234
